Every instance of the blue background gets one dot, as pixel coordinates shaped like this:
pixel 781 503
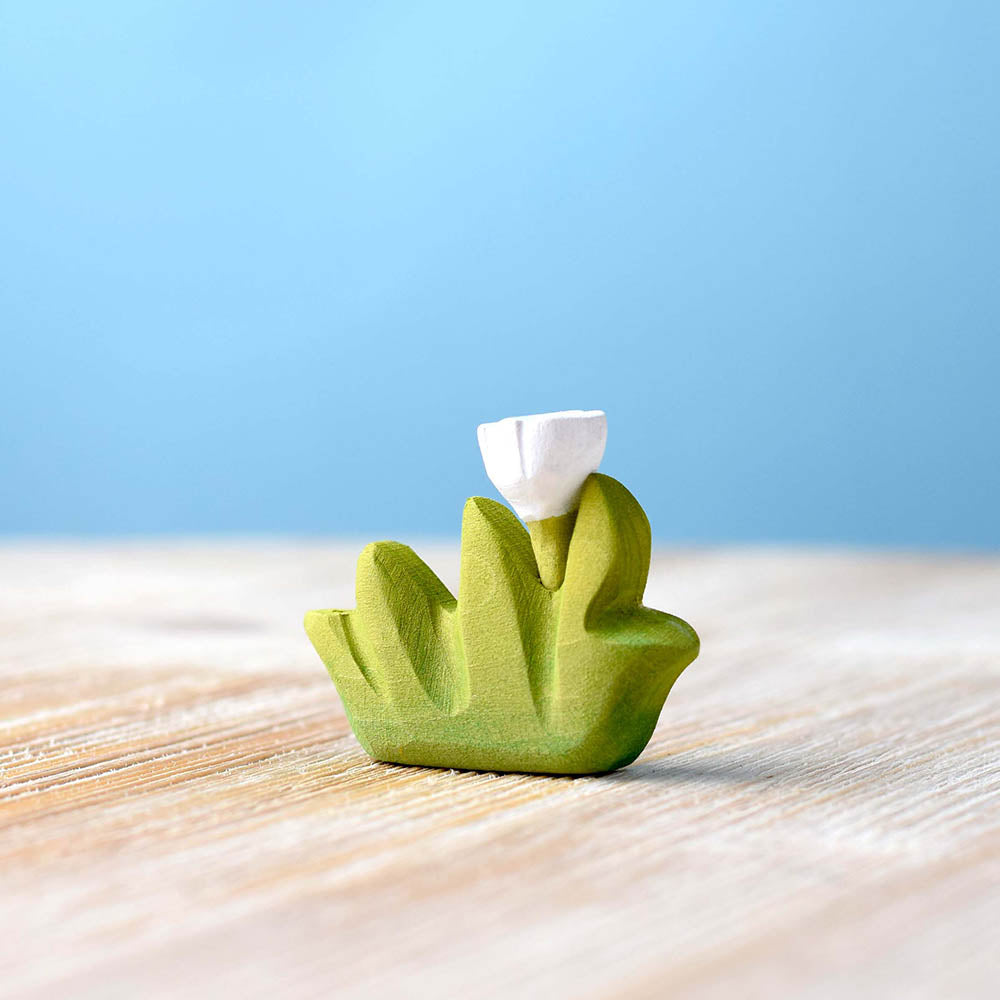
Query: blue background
pixel 264 267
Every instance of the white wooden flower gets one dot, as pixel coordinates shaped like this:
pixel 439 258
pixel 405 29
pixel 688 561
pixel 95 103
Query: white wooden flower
pixel 539 462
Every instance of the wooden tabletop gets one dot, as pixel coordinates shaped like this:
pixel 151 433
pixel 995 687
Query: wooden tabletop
pixel 184 811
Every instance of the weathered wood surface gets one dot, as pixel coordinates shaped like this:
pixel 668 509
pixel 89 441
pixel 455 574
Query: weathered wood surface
pixel 183 810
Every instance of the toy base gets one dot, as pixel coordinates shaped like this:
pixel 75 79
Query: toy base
pixel 496 770
pixel 594 753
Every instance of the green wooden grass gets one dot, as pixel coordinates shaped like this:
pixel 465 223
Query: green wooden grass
pixel 512 676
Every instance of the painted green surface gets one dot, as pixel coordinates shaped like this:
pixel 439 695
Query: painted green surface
pixel 512 676
pixel 550 543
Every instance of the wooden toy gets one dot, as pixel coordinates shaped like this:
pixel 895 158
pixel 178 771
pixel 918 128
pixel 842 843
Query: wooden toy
pixel 547 661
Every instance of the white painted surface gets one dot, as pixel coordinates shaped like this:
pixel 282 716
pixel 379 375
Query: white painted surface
pixel 539 462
